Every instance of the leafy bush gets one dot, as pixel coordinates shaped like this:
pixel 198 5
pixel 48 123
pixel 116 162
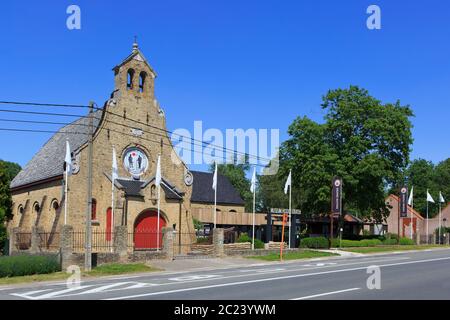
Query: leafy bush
pixel 316 242
pixel 406 242
pixel 243 238
pixel 201 240
pixel 354 243
pixel 13 266
pixel 390 242
pixel 392 236
pixel 259 244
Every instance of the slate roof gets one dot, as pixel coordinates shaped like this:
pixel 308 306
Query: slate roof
pixel 131 187
pixel 202 189
pixel 48 162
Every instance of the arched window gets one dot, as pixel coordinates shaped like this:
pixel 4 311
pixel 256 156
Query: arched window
pixel 142 77
pixel 233 211
pixel 218 210
pixel 20 209
pixel 94 210
pixel 36 207
pixel 130 76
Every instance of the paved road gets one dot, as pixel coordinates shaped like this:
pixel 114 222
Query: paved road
pixel 411 275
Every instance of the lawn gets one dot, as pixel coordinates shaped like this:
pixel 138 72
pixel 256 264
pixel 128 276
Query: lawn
pixel 305 254
pixel 102 270
pixel 391 248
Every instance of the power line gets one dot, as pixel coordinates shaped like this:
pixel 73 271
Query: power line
pixel 40 131
pixel 203 143
pixel 44 104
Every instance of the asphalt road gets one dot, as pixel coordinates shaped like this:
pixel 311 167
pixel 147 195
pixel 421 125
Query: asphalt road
pixel 409 275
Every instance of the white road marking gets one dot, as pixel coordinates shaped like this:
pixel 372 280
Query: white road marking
pixel 325 294
pixel 30 294
pixel 269 279
pixel 195 277
pixel 320 264
pixel 219 277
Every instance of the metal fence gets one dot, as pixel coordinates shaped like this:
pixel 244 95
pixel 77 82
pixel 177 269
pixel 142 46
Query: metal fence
pixel 101 241
pixel 49 241
pixel 145 240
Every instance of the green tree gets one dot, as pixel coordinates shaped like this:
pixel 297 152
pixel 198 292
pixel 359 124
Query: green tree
pixel 8 171
pixel 365 142
pixel 442 178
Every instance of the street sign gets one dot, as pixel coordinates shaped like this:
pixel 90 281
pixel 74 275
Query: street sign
pixel 403 202
pixel 336 195
pixel 281 211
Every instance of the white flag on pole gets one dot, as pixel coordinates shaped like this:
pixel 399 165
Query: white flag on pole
pixel 158 172
pixel 288 182
pixel 214 185
pixel 441 198
pixel 429 197
pixel 115 172
pixel 253 183
pixel 68 159
pixel 411 196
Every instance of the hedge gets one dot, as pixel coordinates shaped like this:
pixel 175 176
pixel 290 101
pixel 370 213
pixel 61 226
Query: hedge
pixel 406 241
pixel 244 237
pixel 354 243
pixel 22 265
pixel 316 243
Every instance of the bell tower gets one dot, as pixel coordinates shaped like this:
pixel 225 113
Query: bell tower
pixel 134 77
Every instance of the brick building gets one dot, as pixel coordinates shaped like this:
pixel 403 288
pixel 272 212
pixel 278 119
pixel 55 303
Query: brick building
pixel 131 121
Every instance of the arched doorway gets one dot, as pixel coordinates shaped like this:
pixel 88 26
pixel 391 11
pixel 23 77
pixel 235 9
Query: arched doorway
pixel 146 230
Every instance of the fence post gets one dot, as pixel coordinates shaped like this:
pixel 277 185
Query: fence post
pixel 168 238
pixel 13 240
pixel 417 238
pixel 433 238
pixel 447 239
pixel 218 242
pixel 121 242
pixel 35 239
pixel 66 246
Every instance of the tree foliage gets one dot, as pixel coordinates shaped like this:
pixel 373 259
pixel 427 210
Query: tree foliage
pixel 365 142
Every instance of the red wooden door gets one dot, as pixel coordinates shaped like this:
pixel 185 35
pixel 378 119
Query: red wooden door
pixel 108 224
pixel 146 230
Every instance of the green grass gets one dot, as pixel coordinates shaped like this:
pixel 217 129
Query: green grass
pixel 102 270
pixel 306 254
pixel 117 268
pixel 392 248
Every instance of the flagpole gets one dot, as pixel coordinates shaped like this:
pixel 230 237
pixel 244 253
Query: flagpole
pixel 440 211
pixel 427 219
pixel 290 209
pixel 157 232
pixel 215 205
pixel 412 212
pixel 67 197
pixel 112 213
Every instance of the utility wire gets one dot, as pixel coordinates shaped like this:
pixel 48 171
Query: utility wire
pixel 203 143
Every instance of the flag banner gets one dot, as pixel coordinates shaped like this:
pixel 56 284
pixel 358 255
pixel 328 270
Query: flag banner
pixel 114 174
pixel 441 198
pixel 429 197
pixel 214 185
pixel 288 183
pixel 411 197
pixel 158 172
pixel 68 159
pixel 403 202
pixel 253 182
pixel 336 195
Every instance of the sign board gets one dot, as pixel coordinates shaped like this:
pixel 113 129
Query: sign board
pixel 403 202
pixel 336 195
pixel 281 211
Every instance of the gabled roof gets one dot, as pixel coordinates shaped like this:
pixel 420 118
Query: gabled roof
pixel 48 162
pixel 202 191
pixel 417 214
pixel 136 55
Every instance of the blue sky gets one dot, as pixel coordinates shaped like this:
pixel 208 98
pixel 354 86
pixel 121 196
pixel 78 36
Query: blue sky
pixel 231 64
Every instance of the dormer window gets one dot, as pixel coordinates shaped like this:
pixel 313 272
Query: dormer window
pixel 142 77
pixel 130 76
